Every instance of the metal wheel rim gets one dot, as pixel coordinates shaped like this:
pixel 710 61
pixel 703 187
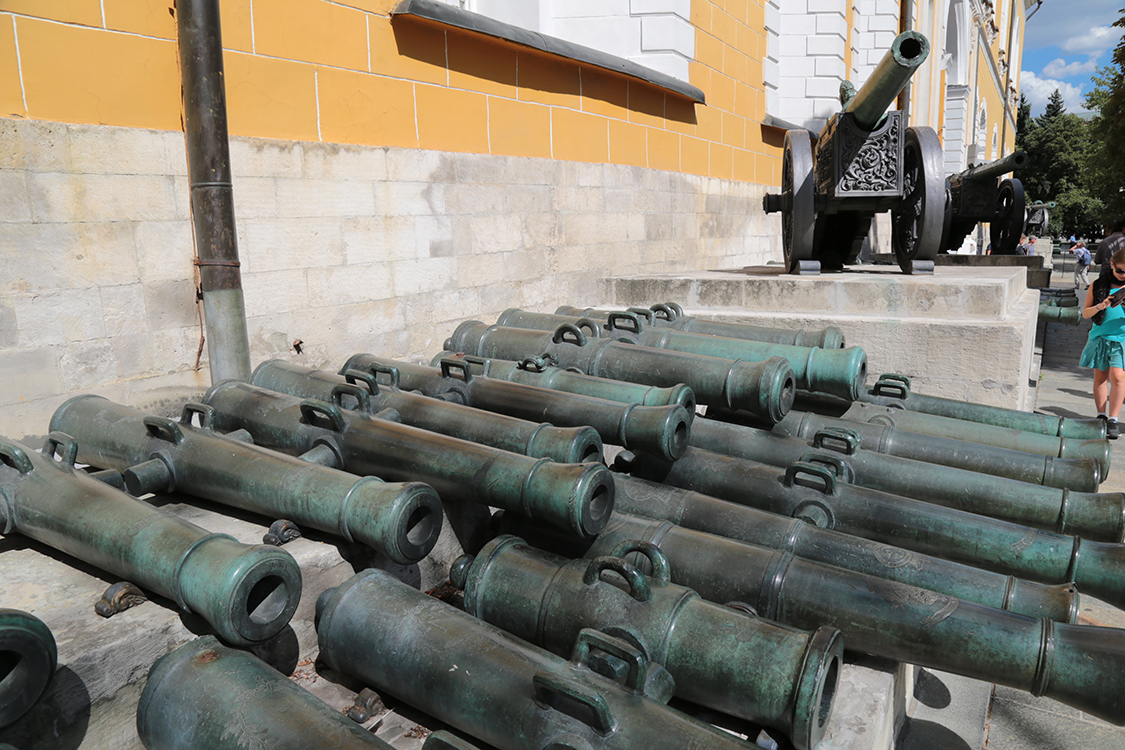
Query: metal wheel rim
pixel 916 228
pixel 798 196
pixel 1011 206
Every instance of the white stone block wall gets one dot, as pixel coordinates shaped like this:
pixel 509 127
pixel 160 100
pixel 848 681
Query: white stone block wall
pixel 877 24
pixel 805 45
pixel 346 248
pixel 655 33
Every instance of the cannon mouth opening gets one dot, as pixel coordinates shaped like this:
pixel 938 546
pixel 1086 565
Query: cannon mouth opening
pixel 788 395
pixel 267 600
pixel 420 526
pixel 12 667
pixel 910 48
pixel 591 453
pixel 828 693
pixel 679 440
pixel 601 502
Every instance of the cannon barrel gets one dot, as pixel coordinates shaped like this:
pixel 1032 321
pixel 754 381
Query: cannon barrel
pixel 892 389
pixel 577 497
pixel 840 372
pixel 1092 515
pixel 671 315
pixel 536 371
pixel 1080 665
pixel 568 445
pixel 205 695
pixel 993 169
pixel 661 430
pixel 812 491
pixel 247 593
pixel 1081 474
pixel 28 657
pixel 401 520
pixel 719 657
pixel 764 388
pixel 495 686
pixel 1069 315
pixel 908 51
pixel 955 429
pixel 694 510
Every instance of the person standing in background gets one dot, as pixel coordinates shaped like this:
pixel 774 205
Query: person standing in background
pixel 1104 350
pixel 1114 239
pixel 1082 266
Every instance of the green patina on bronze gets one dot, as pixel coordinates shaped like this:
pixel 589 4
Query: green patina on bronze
pixel 1078 665
pixel 894 390
pixel 247 593
pixel 660 430
pixel 205 695
pixel 671 315
pixel 720 657
pixel 764 389
pixel 576 497
pixel 360 390
pixel 956 429
pixel 401 520
pixel 1079 474
pixel 1093 515
pixel 694 510
pixel 495 686
pixel 538 372
pixel 28 657
pixel 840 372
pixel 812 492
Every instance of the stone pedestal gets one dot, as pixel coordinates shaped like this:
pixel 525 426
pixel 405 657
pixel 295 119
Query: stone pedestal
pixel 1038 267
pixel 963 333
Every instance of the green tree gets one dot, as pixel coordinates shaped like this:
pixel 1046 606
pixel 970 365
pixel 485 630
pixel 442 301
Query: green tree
pixel 1058 144
pixel 1023 116
pixel 1054 107
pixel 1105 164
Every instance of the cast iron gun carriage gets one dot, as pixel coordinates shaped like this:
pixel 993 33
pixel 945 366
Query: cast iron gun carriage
pixel 866 161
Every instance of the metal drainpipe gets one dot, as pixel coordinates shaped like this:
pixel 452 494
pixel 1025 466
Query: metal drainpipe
pixel 212 196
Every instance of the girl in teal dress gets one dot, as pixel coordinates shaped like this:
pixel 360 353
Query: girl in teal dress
pixel 1104 349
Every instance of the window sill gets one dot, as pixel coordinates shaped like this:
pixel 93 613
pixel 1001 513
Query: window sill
pixel 449 15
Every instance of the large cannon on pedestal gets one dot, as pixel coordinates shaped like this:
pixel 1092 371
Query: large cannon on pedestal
pixel 866 161
pixel 975 195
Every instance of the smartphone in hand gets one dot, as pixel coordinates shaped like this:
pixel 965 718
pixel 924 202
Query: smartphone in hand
pixel 1117 297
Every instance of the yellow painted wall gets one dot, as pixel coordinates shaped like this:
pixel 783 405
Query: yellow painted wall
pixel 345 72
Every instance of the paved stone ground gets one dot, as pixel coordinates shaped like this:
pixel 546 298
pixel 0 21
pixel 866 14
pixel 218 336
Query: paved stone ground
pixel 956 713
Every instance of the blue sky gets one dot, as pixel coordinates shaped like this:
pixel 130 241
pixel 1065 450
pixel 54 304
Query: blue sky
pixel 1064 42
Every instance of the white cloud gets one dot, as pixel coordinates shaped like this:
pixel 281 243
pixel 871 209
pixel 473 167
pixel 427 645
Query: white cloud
pixel 1038 91
pixel 1097 39
pixel 1058 68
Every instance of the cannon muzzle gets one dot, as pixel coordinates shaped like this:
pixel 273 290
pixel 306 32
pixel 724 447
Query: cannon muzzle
pixel 204 694
pixel 908 51
pixel 28 657
pixel 1010 163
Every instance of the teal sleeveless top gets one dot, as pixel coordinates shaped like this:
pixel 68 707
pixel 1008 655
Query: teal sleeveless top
pixel 1112 327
